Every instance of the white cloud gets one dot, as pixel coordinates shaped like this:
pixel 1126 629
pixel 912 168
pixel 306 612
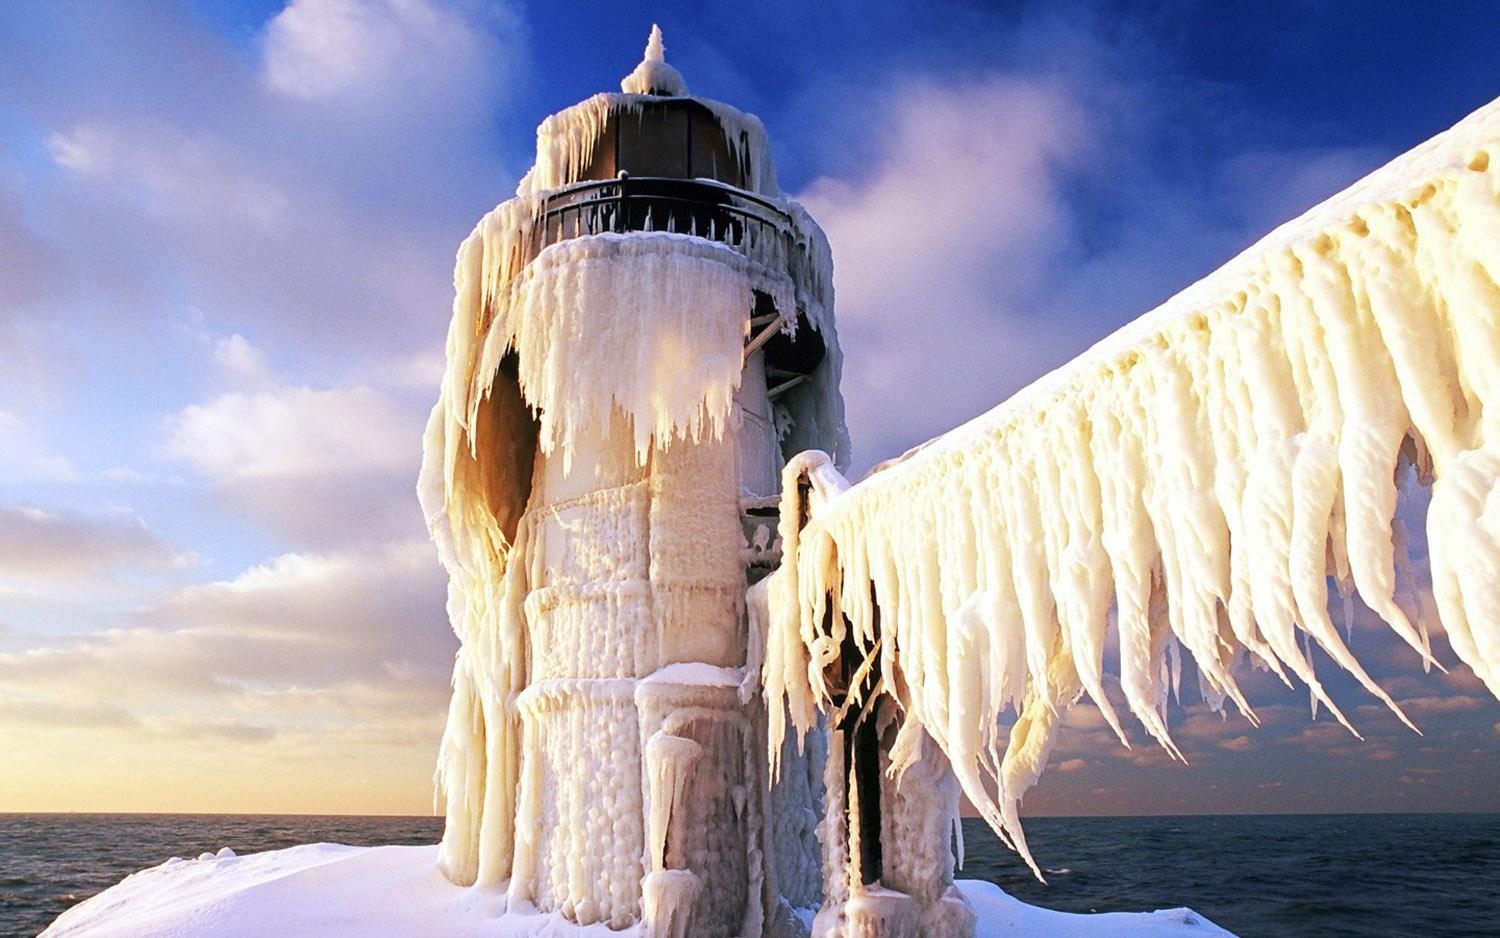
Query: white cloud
pixel 380 606
pixel 1430 706
pixel 421 371
pixel 33 269
pixel 1008 223
pixel 323 469
pixel 65 545
pixel 330 668
pixel 317 624
pixel 61 714
pixel 25 456
pixel 251 239
pixel 967 172
pixel 369 50
pixel 232 731
pixel 179 174
pixel 1275 187
pixel 292 432
pixel 79 152
pixel 932 250
pixel 239 360
pixel 296 204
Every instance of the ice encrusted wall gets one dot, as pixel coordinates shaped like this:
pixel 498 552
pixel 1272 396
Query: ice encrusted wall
pixel 568 745
pixel 1191 483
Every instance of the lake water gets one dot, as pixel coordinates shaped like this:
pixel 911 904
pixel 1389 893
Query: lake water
pixel 1367 875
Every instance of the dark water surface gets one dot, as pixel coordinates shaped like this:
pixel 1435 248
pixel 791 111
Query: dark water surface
pixel 1298 876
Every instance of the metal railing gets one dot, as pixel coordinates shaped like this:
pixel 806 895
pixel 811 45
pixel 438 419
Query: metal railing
pixel 750 225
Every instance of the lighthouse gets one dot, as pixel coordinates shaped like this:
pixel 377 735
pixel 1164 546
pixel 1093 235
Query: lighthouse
pixel 640 339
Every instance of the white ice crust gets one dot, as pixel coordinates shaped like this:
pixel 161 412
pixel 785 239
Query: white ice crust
pixel 333 891
pixel 1189 485
pixel 656 329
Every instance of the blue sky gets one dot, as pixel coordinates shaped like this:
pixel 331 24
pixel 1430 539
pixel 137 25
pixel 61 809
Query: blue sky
pixel 227 233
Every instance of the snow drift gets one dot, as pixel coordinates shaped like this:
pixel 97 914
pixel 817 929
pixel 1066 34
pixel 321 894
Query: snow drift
pixel 329 891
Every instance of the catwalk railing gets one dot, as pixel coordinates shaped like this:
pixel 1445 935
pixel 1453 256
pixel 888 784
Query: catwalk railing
pixel 753 226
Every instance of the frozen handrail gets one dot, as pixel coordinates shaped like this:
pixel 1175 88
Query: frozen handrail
pixel 701 208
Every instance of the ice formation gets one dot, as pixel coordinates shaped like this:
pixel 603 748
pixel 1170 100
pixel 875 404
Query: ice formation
pixel 1191 483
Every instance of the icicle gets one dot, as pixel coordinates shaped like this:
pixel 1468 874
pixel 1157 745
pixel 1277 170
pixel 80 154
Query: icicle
pixel 668 762
pixel 1203 471
pixel 958 841
pixel 1346 605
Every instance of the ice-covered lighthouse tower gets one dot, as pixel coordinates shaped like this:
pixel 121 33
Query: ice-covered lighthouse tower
pixel 639 340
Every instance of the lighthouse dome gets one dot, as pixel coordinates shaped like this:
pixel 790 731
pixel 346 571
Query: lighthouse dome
pixel 653 128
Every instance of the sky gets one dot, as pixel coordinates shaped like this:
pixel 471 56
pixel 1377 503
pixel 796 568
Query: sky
pixel 227 234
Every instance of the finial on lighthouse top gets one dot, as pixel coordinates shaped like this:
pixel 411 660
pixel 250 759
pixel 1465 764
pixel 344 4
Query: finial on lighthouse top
pixel 654 76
